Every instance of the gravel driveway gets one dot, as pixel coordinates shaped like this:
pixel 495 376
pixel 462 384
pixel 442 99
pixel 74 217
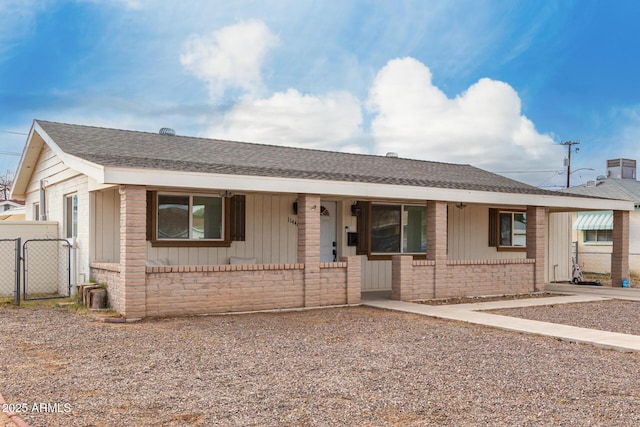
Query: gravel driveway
pixel 348 366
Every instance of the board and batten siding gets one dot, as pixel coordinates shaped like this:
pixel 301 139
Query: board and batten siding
pixel 468 234
pixel 61 181
pixel 271 237
pixel 558 250
pixel 105 227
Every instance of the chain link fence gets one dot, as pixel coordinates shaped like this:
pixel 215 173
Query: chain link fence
pixel 10 267
pixel 599 262
pixel 47 264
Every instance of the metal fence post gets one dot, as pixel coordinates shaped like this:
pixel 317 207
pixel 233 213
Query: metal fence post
pixel 18 259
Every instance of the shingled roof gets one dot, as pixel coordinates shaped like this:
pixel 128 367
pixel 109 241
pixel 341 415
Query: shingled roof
pixel 133 149
pixel 610 188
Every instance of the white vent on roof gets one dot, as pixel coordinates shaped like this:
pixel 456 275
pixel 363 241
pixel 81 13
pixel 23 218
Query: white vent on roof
pixel 167 131
pixel 392 154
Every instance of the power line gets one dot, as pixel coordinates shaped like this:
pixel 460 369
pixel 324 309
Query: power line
pixel 14 133
pixel 527 171
pixel 10 153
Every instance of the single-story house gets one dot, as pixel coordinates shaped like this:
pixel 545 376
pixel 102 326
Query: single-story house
pixel 183 225
pixel 593 230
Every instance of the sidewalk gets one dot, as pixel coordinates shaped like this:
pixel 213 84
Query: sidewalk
pixel 472 313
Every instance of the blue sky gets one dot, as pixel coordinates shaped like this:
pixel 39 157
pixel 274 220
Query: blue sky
pixel 496 84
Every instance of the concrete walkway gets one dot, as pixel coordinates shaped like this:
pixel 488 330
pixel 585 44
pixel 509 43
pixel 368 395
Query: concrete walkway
pixel 472 313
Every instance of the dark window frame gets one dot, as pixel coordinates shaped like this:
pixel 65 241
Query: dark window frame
pixel 233 222
pixel 495 229
pixel 364 227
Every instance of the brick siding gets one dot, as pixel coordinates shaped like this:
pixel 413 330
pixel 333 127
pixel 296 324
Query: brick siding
pixel 205 289
pixel 488 277
pixel 109 274
pixel 414 280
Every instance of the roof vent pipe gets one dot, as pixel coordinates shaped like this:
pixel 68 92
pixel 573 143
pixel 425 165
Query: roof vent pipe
pixel 392 154
pixel 167 131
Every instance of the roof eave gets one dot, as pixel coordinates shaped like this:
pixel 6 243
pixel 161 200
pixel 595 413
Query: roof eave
pixel 240 183
pixel 36 140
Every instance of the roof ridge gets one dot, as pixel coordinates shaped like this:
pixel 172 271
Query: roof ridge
pixel 270 145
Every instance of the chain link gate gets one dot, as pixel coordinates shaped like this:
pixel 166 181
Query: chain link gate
pixel 10 262
pixel 46 269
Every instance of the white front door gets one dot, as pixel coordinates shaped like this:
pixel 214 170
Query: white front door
pixel 328 246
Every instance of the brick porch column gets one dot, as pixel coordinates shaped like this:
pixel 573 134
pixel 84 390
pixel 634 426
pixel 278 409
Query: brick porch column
pixel 309 246
pixel 535 244
pixel 437 242
pixel 133 250
pixel 354 271
pixel 402 278
pixel 620 254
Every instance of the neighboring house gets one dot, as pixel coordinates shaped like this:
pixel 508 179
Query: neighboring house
pixel 179 225
pixel 12 210
pixel 593 231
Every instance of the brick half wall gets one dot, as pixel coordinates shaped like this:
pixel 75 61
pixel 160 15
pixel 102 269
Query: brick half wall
pixel 109 274
pixel 180 290
pixel 414 280
pixel 488 277
pixel 207 289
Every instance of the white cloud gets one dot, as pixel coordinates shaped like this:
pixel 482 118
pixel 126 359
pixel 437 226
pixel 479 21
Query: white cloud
pixel 230 57
pixel 483 126
pixel 331 121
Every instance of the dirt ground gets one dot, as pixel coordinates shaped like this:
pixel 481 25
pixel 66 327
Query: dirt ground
pixel 349 366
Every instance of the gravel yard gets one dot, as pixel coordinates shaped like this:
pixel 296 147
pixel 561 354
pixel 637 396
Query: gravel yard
pixel 612 316
pixel 348 366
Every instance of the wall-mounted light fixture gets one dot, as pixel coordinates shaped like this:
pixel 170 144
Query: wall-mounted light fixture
pixel 226 194
pixel 460 205
pixel 295 208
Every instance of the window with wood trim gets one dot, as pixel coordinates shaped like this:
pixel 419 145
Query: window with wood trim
pixel 507 229
pixel 178 219
pixel 71 216
pixel 385 230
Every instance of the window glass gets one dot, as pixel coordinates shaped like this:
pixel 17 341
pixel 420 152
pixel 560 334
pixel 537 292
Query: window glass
pixel 605 235
pixel 505 229
pixel 598 236
pixel 71 220
pixel 513 229
pixel 414 229
pixel 385 229
pixel 519 229
pixel 206 214
pixel 173 217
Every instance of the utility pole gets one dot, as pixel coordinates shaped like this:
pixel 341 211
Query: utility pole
pixel 569 144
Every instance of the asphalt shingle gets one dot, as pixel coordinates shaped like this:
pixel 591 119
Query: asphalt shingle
pixel 134 149
pixel 611 188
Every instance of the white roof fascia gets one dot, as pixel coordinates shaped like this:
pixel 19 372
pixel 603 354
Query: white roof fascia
pixel 85 167
pixel 19 184
pixel 162 178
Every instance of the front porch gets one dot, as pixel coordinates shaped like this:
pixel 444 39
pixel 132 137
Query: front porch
pixel 294 276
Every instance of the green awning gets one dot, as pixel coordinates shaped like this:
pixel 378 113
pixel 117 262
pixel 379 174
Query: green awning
pixel 595 221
